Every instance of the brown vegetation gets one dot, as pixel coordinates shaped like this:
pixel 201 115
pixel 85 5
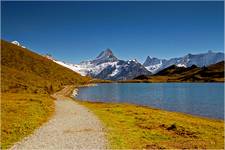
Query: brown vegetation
pixel 136 127
pixel 212 73
pixel 27 80
pixel 23 70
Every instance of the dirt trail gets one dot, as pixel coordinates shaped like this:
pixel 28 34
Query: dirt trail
pixel 71 127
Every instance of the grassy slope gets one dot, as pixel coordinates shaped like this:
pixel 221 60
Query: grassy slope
pixel 135 127
pixel 27 80
pixel 32 72
pixel 100 81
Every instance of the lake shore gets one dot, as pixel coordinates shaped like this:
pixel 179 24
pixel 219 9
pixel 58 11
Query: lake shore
pixel 137 127
pixel 131 126
pixel 178 97
pixel 76 89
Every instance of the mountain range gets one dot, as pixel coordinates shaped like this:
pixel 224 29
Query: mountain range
pixel 211 73
pixel 107 66
pixel 200 60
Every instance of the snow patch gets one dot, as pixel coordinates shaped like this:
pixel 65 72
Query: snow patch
pixel 73 67
pixel 154 68
pixel 86 67
pixel 18 44
pixel 116 71
pixel 181 65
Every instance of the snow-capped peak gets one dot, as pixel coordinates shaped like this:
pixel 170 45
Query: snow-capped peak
pixel 203 59
pixel 149 57
pixel 151 61
pixel 133 60
pixel 105 54
pixel 107 66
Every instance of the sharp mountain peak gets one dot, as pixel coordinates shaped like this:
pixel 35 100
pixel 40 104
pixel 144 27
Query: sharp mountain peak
pixel 106 53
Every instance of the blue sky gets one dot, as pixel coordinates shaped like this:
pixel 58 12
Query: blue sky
pixel 76 31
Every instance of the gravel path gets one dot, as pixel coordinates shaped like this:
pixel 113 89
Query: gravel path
pixel 71 127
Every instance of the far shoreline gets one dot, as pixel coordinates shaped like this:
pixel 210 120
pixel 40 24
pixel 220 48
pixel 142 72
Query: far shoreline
pixel 99 81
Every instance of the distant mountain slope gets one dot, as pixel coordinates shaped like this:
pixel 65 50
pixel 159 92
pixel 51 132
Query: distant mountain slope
pixel 23 70
pixel 212 73
pixel 123 70
pixel 172 70
pixel 107 66
pixel 205 59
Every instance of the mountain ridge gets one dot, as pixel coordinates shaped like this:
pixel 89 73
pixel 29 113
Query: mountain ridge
pixel 107 66
pixel 173 73
pixel 202 59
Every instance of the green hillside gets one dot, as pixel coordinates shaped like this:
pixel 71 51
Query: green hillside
pixel 27 81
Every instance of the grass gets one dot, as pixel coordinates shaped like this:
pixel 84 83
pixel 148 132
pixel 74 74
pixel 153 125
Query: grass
pixel 100 81
pixel 27 81
pixel 135 127
pixel 21 114
pixel 25 71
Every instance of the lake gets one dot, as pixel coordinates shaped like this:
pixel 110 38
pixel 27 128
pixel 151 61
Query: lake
pixel 202 99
